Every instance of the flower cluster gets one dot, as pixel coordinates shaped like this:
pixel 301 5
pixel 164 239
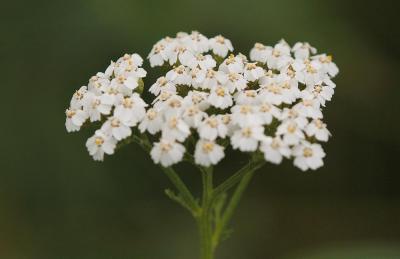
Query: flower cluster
pixel 210 99
pixel 110 97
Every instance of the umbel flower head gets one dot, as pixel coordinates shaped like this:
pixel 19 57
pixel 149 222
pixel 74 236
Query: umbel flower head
pixel 211 98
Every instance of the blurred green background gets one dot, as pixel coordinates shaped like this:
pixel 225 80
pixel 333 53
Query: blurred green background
pixel 55 202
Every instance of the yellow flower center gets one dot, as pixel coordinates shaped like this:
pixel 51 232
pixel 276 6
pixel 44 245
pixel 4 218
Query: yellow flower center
pixel 226 119
pixel 151 114
pixel 173 122
pixel 259 46
pixel 274 88
pixel 220 91
pixel 291 128
pixel 319 124
pixel 276 53
pixel 159 48
pixel 326 59
pixel 95 103
pixel 174 103
pixel 245 109
pixel 164 96
pixel 70 113
pixel 192 111
pixel 251 93
pixel 310 69
pixel 275 144
pixel 219 39
pixel 230 59
pixel 127 103
pixel 233 77
pixel 212 122
pixel 210 73
pixel 115 123
pixel 179 70
pixel 99 141
pixel 307 152
pixel 121 79
pixel 246 132
pixel 251 66
pixel 162 81
pixel 208 147
pixel 166 147
pixel 265 108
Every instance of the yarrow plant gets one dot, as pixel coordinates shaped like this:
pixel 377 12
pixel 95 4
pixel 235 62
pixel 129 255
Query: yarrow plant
pixel 268 106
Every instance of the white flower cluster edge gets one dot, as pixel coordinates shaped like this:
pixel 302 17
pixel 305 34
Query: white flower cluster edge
pixel 271 102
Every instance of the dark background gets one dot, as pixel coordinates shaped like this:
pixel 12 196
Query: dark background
pixel 55 202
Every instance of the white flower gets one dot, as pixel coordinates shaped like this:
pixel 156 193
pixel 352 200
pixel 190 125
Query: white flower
pixel 226 119
pixel 260 53
pixel 247 139
pixel 213 78
pixel 176 53
pixel 233 64
pixel 292 133
pixel 96 105
pixel 302 50
pixel 158 55
pixel 280 56
pixel 75 119
pixel 131 110
pixel 308 72
pixel 197 77
pixel 197 42
pixel 117 128
pixel 152 122
pixel 220 46
pixel 252 72
pixel 99 144
pixel 235 82
pixel 128 80
pixel 272 92
pixel 309 106
pixel 175 128
pixel 208 153
pixel 193 116
pixel 211 128
pixel 274 150
pixel 99 83
pixel 249 97
pixel 167 152
pixel 308 155
pixel 220 97
pixel 203 62
pixel 179 75
pixel 324 91
pixel 78 97
pixel 162 84
pixel 318 129
pixel 267 112
pixel 327 64
pixel 246 115
pixel 128 63
pixel 197 98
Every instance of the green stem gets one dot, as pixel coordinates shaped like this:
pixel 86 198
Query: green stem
pixel 244 175
pixel 184 192
pixel 205 219
pixel 230 208
pixel 253 165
